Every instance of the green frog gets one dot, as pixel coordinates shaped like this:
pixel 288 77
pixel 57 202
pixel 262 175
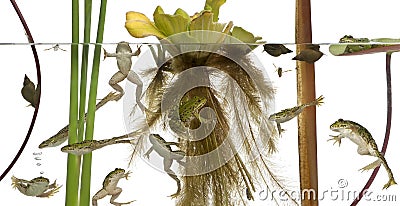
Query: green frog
pixel 110 187
pixel 288 114
pixel 87 146
pixel 164 149
pixel 37 187
pixel 366 144
pixel 188 110
pixel 356 47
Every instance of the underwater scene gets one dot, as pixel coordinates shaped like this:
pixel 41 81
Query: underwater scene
pixel 211 103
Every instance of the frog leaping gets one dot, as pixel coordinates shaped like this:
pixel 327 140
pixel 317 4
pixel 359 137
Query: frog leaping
pixel 366 144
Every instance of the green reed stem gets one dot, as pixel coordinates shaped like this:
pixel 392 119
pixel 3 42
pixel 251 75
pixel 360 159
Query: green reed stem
pixel 87 158
pixel 84 68
pixel 84 192
pixel 73 161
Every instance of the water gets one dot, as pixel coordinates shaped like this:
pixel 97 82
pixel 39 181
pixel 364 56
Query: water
pixel 353 86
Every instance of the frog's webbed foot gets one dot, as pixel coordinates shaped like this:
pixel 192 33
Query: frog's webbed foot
pixel 336 139
pixel 127 175
pixel 51 192
pixel 373 165
pixel 122 203
pixel 389 183
pixel 178 184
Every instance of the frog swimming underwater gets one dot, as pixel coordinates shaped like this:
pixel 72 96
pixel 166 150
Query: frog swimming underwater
pixel 37 187
pixel 365 142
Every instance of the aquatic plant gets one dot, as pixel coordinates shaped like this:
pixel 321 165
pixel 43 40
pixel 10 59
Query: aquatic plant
pixel 201 57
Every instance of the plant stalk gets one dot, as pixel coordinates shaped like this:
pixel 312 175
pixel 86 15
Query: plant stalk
pixel 307 136
pixel 87 158
pixel 387 132
pixel 73 162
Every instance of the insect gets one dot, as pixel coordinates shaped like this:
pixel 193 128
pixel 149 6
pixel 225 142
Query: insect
pixel 280 71
pixel 37 187
pixel 55 48
pixel 365 142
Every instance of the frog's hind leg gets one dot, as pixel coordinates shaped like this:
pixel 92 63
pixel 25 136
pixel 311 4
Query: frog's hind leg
pixel 167 168
pixel 114 195
pixel 391 180
pixel 99 195
pixel 371 166
pixel 115 79
pixel 51 192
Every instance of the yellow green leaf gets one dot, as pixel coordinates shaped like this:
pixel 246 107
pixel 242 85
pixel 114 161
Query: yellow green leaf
pixel 205 22
pixel 243 35
pixel 182 13
pixel 139 26
pixel 170 24
pixel 213 6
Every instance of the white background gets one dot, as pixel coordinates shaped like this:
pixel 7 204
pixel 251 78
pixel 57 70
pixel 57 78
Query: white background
pixel 354 88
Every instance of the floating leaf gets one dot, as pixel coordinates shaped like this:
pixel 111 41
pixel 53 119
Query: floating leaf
pixel 213 6
pixel 139 26
pixel 29 93
pixel 276 49
pixel 245 36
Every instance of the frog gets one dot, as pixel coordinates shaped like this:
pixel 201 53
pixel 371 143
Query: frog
pixel 188 110
pixel 110 187
pixel 355 47
pixel 288 114
pixel 164 149
pixel 124 55
pixel 37 187
pixel 87 146
pixel 365 142
pixel 62 135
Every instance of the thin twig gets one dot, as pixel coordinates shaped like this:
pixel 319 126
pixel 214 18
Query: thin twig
pixel 388 126
pixel 35 113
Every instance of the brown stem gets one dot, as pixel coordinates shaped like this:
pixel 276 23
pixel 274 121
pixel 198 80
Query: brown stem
pixel 35 55
pixel 306 120
pixel 388 126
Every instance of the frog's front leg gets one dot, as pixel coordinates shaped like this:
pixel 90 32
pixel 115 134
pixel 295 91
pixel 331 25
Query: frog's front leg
pixel 167 168
pixel 114 195
pixel 337 138
pixel 115 79
pixel 147 154
pixel 280 130
pixel 99 195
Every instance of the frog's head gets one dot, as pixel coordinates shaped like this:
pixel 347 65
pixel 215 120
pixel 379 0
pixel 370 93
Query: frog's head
pixel 340 125
pixel 118 171
pixel 199 101
pixel 41 180
pixel 277 116
pixel 347 39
